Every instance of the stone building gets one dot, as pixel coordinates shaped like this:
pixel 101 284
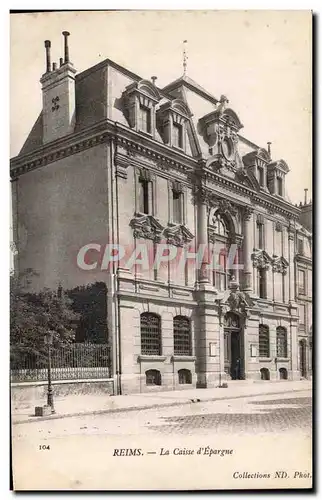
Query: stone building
pixel 114 160
pixel 304 288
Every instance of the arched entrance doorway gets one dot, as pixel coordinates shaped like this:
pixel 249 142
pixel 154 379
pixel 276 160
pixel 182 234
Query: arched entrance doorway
pixel 234 347
pixel 303 369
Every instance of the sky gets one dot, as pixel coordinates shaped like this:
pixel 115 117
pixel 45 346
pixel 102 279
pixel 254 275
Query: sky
pixel 261 60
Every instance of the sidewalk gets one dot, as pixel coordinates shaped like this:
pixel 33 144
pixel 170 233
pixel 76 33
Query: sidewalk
pixel 88 405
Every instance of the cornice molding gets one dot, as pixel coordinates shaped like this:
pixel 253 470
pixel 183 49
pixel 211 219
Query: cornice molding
pixel 165 157
pixel 261 199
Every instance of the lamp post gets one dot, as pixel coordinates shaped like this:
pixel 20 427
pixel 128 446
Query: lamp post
pixel 50 395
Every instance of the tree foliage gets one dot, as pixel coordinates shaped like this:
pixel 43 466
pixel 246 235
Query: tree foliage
pixel 35 315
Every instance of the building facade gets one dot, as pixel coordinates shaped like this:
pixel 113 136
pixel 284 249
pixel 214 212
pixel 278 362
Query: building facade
pixel 156 193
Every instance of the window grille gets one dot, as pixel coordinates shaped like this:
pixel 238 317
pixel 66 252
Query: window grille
pixel 263 341
pixel 150 334
pixel 182 336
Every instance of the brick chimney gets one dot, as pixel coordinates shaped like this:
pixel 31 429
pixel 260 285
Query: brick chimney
pixel 58 89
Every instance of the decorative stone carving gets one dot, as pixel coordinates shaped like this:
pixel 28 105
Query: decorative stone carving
pixel 226 207
pixel 122 163
pixel 177 235
pixel 279 265
pixel 235 300
pixel 247 213
pixel 202 195
pixel 146 227
pixel 261 259
pixel 236 239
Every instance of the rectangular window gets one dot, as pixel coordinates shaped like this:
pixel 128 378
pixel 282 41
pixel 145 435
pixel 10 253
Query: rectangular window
pixel 302 315
pixel 220 273
pixel 301 276
pixel 144 195
pixel 300 246
pixel 177 136
pixel 262 283
pixel 261 176
pixel 145 119
pixel 280 186
pixel 260 235
pixel 177 202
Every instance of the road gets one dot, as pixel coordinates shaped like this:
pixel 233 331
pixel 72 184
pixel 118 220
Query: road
pixel 156 448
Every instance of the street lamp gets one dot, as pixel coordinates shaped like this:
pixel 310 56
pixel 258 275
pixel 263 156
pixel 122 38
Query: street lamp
pixel 50 395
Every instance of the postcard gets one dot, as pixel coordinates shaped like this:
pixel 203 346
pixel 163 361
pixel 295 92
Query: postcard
pixel 161 250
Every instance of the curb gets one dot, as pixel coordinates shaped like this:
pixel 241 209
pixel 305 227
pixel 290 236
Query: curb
pixel 147 407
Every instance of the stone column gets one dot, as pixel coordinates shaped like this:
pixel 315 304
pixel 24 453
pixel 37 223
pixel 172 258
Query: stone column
pixel 247 248
pixel 203 274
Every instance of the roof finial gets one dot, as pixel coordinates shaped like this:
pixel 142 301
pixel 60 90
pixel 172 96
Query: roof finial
pixel 185 58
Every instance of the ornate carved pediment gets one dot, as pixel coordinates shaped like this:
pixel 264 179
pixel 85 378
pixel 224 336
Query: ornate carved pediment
pixel 146 227
pixel 279 265
pixel 177 234
pixel 235 300
pixel 261 259
pixel 220 131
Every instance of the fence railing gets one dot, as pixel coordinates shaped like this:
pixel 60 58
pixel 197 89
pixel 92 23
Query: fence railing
pixel 76 361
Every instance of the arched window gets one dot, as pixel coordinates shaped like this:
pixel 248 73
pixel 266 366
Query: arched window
pixel 263 341
pixel 265 375
pixel 153 377
pixel 281 342
pixel 283 373
pixel 150 334
pixel 182 336
pixel 184 376
pixel 220 226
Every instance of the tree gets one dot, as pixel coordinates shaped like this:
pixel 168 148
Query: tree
pixel 33 316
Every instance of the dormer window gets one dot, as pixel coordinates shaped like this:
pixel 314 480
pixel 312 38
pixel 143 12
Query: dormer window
pixel 256 162
pixel 277 171
pixel 145 119
pixel 177 135
pixel 261 177
pixel 172 119
pixel 140 99
pixel 279 186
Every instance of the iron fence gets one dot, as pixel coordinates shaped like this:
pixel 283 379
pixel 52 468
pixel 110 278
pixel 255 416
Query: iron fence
pixel 76 361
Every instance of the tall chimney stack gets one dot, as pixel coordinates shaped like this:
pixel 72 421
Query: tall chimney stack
pixel 66 50
pixel 58 84
pixel 269 149
pixel 48 63
pixel 305 196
